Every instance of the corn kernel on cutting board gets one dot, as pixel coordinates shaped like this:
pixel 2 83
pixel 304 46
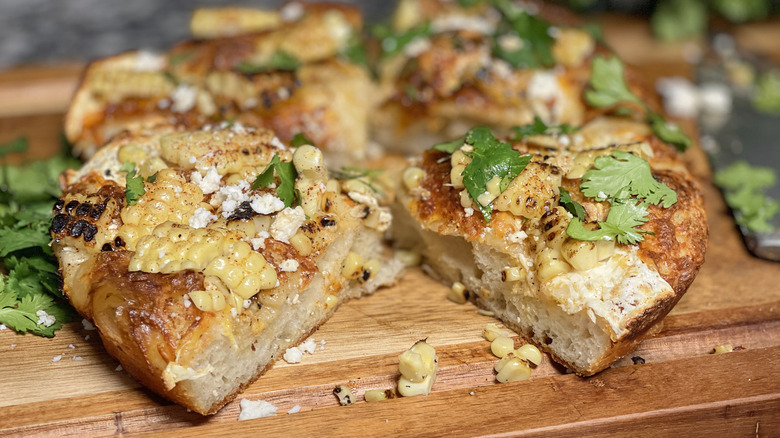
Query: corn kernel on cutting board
pixel 69 386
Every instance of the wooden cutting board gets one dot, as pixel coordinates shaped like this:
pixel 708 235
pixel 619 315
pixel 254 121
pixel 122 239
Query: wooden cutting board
pixel 69 386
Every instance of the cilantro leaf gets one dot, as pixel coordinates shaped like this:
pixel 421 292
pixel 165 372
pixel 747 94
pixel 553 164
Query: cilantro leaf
pixel 14 240
pixel 355 51
pixel 21 313
pixel 279 61
pixel 766 92
pixel 743 186
pixel 669 132
pixel 679 19
pixel 450 146
pixel 538 127
pixel 287 174
pixel 571 205
pixel 134 183
pixel 299 140
pixel 621 221
pixel 490 158
pixel 608 85
pixel 622 175
pixel 15 146
pixel 394 43
pixel 535 45
pixel 742 175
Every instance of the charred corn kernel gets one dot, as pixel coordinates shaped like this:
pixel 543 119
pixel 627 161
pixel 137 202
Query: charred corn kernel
pixel 372 267
pixel 465 199
pixel 491 332
pixel 726 348
pixel 352 266
pixel 512 274
pixel 375 395
pixel 408 258
pixel 530 353
pixel 605 249
pixel 344 394
pixel 169 198
pixel 132 153
pixel 331 301
pixel 514 370
pixel 494 186
pixel 532 193
pixel 333 186
pixel 550 263
pixel 418 367
pixel 308 161
pixel 501 346
pixel 358 185
pixel 301 243
pixel 208 301
pixel 117 85
pixel 486 198
pixel 581 255
pixel 311 191
pixel 413 177
pixel 222 148
pixel 458 293
pixel 456 176
pixel 554 224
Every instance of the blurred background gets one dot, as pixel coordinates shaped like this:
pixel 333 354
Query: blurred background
pixel 56 31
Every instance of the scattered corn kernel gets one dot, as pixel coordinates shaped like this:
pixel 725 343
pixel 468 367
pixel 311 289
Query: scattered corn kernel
pixel 491 332
pixel 418 367
pixel 458 293
pixel 352 266
pixel 208 300
pixel 514 273
pixel 514 370
pixel 301 243
pixel 375 395
pixel 726 348
pixel 408 258
pixel 308 161
pixel 501 346
pixel 530 353
pixel 344 394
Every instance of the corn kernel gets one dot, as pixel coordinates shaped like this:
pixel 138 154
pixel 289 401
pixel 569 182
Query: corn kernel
pixel 407 388
pixel 359 185
pixel 208 301
pixel 308 161
pixel 412 366
pixel 372 266
pixel 301 243
pixel 486 198
pixel 352 266
pixel 509 274
pixel 408 258
pixel 413 177
pixel 458 158
pixel 501 346
pixel 344 394
pixel 726 348
pixel 465 199
pixel 418 367
pixel 375 395
pixel 530 353
pixel 514 370
pixel 333 186
pixel 456 176
pixel 494 186
pixel 491 332
pixel 458 293
pixel 581 255
pixel 550 264
pixel 131 153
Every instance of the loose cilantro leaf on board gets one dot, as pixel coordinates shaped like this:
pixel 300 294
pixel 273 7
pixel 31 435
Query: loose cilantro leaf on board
pixel 743 187
pixel 134 183
pixel 279 61
pixel 490 158
pixel 450 146
pixel 571 205
pixel 287 174
pixel 299 140
pixel 621 221
pixel 538 127
pixel 766 94
pixel 22 313
pixel 608 85
pixel 394 43
pixel 669 132
pixel 14 146
pixel 622 175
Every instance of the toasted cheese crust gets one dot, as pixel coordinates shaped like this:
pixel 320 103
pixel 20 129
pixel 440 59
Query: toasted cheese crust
pixel 203 268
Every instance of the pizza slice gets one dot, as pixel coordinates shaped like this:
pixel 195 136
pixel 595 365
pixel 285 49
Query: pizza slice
pixel 201 255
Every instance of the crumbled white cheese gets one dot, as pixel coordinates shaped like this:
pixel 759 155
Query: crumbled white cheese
pixel 251 410
pixel 501 68
pixel 293 355
pixel 469 211
pixel 118 368
pixel 680 96
pixel 322 344
pixel 417 47
pixel 230 197
pixel 385 219
pixel 187 301
pixel 201 218
pixel 295 409
pixel 602 195
pixel 76 358
pixel 544 86
pixel 148 61
pixel 192 159
pixel 289 265
pixel 266 203
pixel 517 237
pixel 208 183
pixel 291 11
pixel 183 97
pixel 362 198
pixel 275 142
pixel 246 304
pixel 259 241
pixel 3 327
pixel 71 346
pixel 238 128
pixel 308 346
pixel 287 223
pixel 56 358
pixel 45 319
pixel 715 98
pixel 509 42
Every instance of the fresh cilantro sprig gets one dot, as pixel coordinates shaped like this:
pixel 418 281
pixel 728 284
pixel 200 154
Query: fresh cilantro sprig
pixel 573 207
pixel 279 61
pixel 355 51
pixel 534 48
pixel 622 175
pixel 134 183
pixel 300 139
pixel 538 127
pixel 29 285
pixel 287 174
pixel 743 186
pixel 489 158
pixel 608 88
pixel 623 217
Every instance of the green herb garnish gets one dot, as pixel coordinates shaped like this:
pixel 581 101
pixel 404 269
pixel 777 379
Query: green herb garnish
pixel 393 43
pixel 534 45
pixel 621 221
pixel 743 186
pixel 280 61
pixel 679 19
pixel 299 140
pixel 571 205
pixel 766 94
pixel 538 127
pixel 287 174
pixel 134 183
pixel 15 146
pixel 450 146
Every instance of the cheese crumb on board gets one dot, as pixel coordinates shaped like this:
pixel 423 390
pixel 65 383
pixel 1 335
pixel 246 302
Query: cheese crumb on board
pixel 251 410
pixel 295 409
pixel 293 355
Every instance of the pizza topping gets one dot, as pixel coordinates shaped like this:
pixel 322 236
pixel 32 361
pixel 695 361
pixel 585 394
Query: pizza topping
pixel 134 183
pixel 418 366
pixel 534 45
pixel 286 172
pixel 538 127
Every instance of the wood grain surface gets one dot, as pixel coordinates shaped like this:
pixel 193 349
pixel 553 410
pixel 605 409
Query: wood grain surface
pixel 682 389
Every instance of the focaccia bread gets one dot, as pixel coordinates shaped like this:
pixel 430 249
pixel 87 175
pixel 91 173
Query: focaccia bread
pixel 448 67
pixel 585 292
pixel 216 250
pixel 292 78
